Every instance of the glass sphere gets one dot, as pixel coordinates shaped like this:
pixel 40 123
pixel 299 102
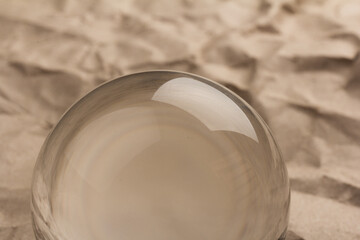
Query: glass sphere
pixel 160 155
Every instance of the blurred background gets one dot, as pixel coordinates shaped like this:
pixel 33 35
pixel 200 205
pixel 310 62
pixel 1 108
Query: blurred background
pixel 295 61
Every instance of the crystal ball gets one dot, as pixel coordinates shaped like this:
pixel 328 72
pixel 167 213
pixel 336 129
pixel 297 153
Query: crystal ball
pixel 160 155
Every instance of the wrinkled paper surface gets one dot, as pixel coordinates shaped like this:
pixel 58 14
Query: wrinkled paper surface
pixel 296 62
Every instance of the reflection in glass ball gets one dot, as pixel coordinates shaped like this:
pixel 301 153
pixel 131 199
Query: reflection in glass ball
pixel 160 156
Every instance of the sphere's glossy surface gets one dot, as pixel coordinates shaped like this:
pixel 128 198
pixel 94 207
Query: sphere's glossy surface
pixel 160 156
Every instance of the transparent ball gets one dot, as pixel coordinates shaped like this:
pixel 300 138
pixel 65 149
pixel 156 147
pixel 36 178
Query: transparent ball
pixel 160 155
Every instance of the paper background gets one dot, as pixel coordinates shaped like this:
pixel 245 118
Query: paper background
pixel 296 62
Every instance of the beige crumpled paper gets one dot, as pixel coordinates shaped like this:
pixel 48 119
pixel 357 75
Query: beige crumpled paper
pixel 296 62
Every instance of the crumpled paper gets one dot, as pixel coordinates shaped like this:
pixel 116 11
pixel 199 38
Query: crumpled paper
pixel 296 62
